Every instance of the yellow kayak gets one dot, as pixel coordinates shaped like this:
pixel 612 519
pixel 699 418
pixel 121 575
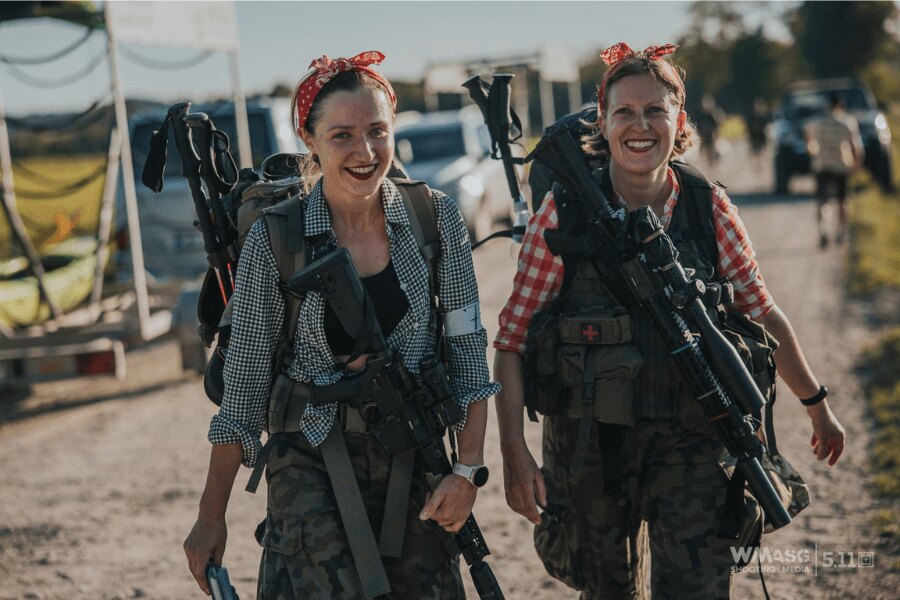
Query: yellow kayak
pixel 69 279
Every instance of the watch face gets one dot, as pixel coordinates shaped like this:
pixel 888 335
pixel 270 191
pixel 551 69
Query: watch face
pixel 480 476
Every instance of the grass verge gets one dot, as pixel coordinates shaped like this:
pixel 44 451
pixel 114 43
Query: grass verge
pixel 874 270
pixel 882 387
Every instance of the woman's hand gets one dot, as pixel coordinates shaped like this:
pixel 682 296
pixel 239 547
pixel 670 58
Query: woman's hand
pixel 828 434
pixel 205 542
pixel 523 482
pixel 450 504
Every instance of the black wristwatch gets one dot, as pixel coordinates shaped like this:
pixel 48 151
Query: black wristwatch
pixel 820 395
pixel 477 475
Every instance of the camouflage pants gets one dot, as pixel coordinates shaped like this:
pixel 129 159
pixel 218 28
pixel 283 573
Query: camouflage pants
pixel 671 491
pixel 305 550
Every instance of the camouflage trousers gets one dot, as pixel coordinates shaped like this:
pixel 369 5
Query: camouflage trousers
pixel 657 498
pixel 306 554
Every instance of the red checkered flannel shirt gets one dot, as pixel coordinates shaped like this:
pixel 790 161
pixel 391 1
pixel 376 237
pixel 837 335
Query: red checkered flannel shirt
pixel 539 277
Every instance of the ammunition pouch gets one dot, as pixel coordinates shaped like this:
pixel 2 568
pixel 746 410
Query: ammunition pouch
pixel 582 363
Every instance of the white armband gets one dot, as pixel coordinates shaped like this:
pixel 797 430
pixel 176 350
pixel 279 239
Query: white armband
pixel 463 320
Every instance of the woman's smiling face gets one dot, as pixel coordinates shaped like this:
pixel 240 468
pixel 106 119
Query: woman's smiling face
pixel 354 141
pixel 640 123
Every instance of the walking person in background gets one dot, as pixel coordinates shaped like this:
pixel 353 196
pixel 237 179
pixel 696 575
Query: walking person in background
pixel 574 347
pixel 835 151
pixel 757 120
pixel 708 121
pixel 345 113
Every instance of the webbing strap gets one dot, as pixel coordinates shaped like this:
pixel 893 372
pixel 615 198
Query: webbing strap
pixel 363 547
pixel 423 224
pixel 396 504
pixel 587 412
pixel 770 424
pixel 422 221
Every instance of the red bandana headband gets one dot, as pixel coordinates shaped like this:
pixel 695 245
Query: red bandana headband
pixel 325 69
pixel 615 54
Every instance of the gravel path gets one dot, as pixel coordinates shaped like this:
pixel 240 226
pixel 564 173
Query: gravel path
pixel 101 479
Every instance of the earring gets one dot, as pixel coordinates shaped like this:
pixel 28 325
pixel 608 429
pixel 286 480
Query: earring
pixel 315 159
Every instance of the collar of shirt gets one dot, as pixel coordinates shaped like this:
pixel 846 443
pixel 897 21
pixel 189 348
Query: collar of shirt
pixel 318 219
pixel 671 201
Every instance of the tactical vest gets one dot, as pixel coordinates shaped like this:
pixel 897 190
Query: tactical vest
pixel 597 346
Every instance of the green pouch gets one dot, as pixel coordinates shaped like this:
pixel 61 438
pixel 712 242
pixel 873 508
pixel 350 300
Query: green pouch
pixel 543 388
pixel 614 369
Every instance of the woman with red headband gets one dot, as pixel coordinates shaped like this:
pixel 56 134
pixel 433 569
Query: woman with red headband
pixel 319 534
pixel 631 464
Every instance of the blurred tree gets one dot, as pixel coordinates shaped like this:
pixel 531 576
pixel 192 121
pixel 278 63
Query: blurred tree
pixel 842 38
pixel 704 52
pixel 754 72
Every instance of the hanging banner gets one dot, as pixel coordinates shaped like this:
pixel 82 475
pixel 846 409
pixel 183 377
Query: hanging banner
pixel 205 25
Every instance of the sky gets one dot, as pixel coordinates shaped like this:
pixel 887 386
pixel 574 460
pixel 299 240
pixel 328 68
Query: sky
pixel 278 39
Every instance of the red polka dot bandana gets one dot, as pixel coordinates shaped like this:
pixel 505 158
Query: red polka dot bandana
pixel 615 54
pixel 325 69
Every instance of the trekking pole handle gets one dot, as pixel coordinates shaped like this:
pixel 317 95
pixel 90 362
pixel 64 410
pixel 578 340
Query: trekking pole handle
pixel 190 170
pixel 478 91
pixel 498 127
pixel 201 127
pixel 500 87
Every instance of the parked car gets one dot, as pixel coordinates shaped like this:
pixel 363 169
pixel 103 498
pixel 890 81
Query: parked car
pixel 805 99
pixel 450 150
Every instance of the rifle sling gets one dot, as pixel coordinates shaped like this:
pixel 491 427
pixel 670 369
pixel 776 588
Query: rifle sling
pixel 396 504
pixel 363 548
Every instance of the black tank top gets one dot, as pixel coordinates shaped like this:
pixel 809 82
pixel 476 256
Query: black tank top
pixel 390 306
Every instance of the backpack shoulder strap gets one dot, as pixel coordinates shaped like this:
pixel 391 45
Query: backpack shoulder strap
pixel 696 199
pixel 286 235
pixel 423 222
pixel 284 222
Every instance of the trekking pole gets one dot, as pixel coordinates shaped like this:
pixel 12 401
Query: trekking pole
pixel 207 140
pixel 493 100
pixel 190 170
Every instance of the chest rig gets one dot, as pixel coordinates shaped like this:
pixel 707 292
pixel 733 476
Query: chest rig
pixel 595 353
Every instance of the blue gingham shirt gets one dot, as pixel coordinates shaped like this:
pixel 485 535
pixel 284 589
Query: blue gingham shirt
pixel 259 308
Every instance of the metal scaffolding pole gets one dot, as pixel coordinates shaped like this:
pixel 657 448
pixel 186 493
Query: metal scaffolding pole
pixel 131 207
pixel 15 220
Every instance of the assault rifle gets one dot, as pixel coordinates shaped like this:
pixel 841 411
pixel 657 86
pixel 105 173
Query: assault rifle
pixel 637 248
pixel 401 413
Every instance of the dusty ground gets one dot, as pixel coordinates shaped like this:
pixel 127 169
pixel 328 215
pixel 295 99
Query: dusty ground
pixel 101 479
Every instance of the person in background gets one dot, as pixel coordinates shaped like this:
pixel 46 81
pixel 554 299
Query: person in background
pixel 652 466
pixel 708 121
pixel 835 152
pixel 757 121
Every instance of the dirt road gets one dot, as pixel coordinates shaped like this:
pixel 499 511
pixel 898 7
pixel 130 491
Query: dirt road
pixel 101 479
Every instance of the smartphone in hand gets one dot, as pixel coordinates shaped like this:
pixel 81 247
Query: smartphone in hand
pixel 219 584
